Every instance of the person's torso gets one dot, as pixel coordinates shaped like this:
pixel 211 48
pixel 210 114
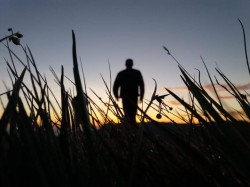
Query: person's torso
pixel 130 79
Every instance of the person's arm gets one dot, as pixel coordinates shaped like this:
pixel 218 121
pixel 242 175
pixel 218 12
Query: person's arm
pixel 116 87
pixel 142 88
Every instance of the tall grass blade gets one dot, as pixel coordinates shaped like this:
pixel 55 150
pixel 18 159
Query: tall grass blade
pixel 245 45
pixel 81 99
pixel 83 113
pixel 9 111
pixel 211 82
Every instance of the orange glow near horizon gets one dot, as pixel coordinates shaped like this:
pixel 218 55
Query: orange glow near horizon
pixel 230 102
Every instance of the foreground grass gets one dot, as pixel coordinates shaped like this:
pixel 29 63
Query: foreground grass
pixel 169 155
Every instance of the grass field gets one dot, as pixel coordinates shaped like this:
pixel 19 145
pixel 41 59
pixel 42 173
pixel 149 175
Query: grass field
pixel 79 149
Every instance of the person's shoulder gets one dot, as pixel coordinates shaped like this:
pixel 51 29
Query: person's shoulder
pixel 136 70
pixel 122 71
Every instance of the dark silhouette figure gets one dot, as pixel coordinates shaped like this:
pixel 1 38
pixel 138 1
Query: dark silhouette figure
pixel 129 85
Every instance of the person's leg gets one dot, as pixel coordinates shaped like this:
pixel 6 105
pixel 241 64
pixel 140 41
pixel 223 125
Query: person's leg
pixel 125 105
pixel 130 108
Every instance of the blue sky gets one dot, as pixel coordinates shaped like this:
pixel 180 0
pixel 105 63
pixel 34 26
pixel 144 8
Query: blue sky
pixel 109 31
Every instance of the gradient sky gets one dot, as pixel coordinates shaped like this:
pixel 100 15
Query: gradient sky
pixel 110 31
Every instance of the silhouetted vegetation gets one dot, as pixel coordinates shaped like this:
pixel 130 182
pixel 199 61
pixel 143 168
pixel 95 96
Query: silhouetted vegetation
pixel 83 146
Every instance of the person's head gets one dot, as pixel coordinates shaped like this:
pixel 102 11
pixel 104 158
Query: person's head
pixel 129 63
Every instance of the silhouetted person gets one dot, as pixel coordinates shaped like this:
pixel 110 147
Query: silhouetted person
pixel 129 85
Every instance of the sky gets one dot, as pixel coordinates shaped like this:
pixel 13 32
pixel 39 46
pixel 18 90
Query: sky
pixel 110 31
